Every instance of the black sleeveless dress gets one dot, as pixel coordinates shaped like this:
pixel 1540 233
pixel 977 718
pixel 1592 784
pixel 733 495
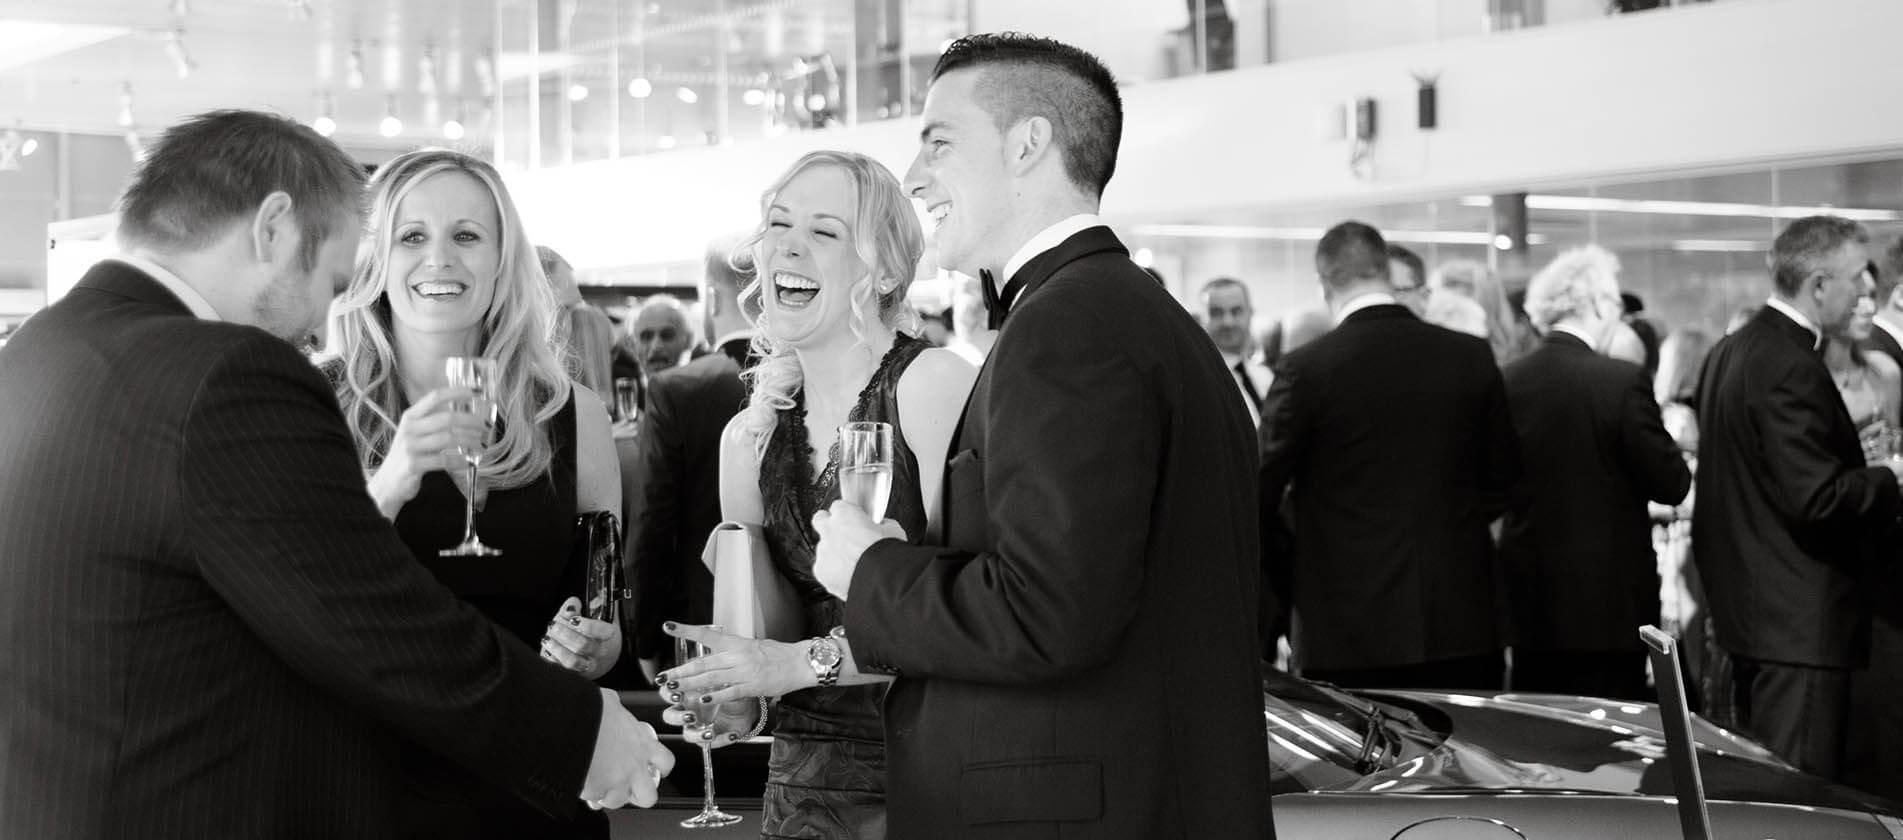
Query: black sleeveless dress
pixel 826 776
pixel 520 590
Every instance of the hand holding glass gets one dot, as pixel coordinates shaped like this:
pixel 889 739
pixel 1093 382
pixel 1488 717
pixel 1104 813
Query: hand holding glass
pixel 710 816
pixel 478 375
pixel 865 466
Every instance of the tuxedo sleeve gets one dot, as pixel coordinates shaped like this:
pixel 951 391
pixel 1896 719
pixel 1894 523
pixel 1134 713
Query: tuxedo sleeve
pixel 655 519
pixel 287 536
pixel 1808 481
pixel 1499 463
pixel 1652 456
pixel 1283 436
pixel 1070 472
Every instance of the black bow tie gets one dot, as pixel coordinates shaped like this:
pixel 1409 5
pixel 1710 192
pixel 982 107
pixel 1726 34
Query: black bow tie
pixel 997 304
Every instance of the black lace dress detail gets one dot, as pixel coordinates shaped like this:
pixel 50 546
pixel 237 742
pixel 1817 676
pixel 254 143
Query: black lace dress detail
pixel 826 777
pixel 534 526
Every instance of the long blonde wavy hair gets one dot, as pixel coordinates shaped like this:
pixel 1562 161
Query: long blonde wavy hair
pixel 886 236
pixel 516 331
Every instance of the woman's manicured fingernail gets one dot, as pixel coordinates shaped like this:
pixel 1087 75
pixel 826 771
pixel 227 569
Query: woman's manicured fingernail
pixel 674 698
pixel 688 717
pixel 660 681
pixel 669 626
pixel 706 698
pixel 574 621
pixel 673 684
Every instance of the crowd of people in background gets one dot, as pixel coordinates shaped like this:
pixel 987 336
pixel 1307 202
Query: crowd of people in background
pixel 1444 480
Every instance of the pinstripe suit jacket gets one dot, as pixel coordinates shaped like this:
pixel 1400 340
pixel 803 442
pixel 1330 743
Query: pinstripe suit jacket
pixel 206 628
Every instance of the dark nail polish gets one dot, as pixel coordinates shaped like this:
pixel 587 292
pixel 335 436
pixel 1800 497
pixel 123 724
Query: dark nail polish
pixel 674 698
pixel 673 684
pixel 688 717
pixel 669 626
pixel 660 681
pixel 706 734
pixel 574 621
pixel 706 698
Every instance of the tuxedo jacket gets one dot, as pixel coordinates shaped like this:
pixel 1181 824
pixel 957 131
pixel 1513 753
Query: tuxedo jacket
pixel 1079 660
pixel 1394 440
pixel 678 502
pixel 209 630
pixel 1577 543
pixel 1787 513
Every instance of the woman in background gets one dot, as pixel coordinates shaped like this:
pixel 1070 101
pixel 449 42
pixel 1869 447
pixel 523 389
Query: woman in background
pixel 446 270
pixel 1509 338
pixel 835 254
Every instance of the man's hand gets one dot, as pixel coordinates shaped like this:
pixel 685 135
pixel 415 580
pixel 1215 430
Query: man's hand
pixel 629 760
pixel 845 532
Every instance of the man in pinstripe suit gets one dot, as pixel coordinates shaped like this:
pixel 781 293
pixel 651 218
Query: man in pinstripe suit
pixel 206 627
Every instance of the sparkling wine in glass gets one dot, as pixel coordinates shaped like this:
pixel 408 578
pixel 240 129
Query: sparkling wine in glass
pixel 865 466
pixel 478 375
pixel 710 816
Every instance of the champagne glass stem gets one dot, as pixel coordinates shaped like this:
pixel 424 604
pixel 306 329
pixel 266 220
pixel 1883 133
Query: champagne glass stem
pixel 469 503
pixel 708 805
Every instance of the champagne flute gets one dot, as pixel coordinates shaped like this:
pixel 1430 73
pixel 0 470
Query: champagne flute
pixel 479 375
pixel 865 466
pixel 710 816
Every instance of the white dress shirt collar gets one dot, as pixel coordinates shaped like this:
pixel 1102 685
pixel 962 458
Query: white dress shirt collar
pixel 1578 333
pixel 1363 301
pixel 1817 336
pixel 1045 240
pixel 179 288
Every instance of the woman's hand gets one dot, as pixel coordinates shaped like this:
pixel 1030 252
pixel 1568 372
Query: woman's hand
pixel 738 669
pixel 427 436
pixel 732 722
pixel 583 645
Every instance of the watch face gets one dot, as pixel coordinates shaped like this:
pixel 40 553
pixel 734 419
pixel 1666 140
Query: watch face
pixel 824 653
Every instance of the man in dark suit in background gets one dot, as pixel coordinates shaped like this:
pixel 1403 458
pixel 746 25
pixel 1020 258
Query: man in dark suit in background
pixel 676 479
pixel 1393 437
pixel 1577 544
pixel 1079 657
pixel 1787 512
pixel 209 630
pixel 1873 760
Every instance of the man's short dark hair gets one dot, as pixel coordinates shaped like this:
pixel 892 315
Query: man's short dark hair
pixel 1406 256
pixel 1225 282
pixel 1028 76
pixel 1351 252
pixel 1806 245
pixel 217 167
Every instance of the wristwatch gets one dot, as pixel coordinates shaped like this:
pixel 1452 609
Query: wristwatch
pixel 823 655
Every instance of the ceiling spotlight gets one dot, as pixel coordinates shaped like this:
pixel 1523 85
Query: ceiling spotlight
pixel 816 102
pixel 175 48
pixel 390 126
pixel 1502 242
pixel 125 105
pixel 325 124
pixel 577 92
pixel 686 94
pixel 753 96
pixel 452 129
pixel 31 145
pixel 665 141
pixel 353 66
pixel 640 88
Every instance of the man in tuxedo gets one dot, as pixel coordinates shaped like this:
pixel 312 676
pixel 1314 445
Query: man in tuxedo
pixel 1395 437
pixel 1079 657
pixel 657 339
pixel 210 631
pixel 1227 314
pixel 1787 513
pixel 677 477
pixel 1577 543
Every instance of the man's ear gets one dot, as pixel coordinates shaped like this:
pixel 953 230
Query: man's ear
pixel 274 232
pixel 1895 301
pixel 1027 143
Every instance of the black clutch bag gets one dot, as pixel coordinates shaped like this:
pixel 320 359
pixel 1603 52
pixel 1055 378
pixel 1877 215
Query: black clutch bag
pixel 598 541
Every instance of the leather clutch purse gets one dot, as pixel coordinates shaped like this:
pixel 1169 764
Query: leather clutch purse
pixel 598 541
pixel 751 597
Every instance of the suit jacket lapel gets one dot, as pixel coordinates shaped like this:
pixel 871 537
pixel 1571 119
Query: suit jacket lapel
pixel 1092 240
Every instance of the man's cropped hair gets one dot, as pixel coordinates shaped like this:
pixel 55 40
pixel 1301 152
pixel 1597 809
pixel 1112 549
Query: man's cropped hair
pixel 1028 76
pixel 215 168
pixel 1351 252
pixel 1807 245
